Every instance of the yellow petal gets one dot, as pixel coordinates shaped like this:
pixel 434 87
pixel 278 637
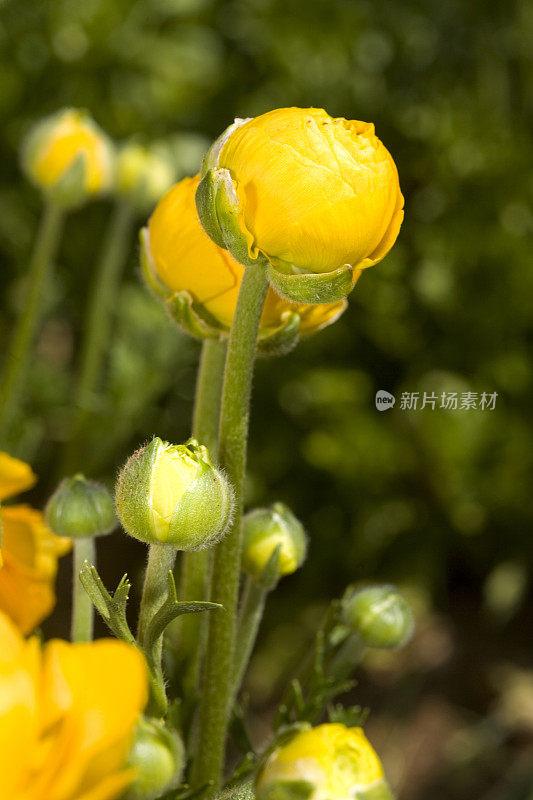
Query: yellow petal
pixel 15 476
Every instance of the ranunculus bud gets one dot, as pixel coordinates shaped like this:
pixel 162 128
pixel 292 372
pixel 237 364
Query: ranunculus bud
pixel 172 494
pixel 311 194
pixel 143 174
pixel 331 761
pixel 80 508
pixel 264 530
pixel 69 157
pixel 380 615
pixel 158 757
pixel 179 259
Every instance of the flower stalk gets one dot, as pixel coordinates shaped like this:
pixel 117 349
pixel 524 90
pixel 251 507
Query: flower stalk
pixel 44 252
pixel 98 324
pixel 252 606
pixel 82 627
pixel 195 565
pixel 217 687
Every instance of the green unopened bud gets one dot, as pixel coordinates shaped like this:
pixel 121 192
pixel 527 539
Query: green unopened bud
pixel 266 530
pixel 172 494
pixel 380 615
pixel 144 174
pixel 158 756
pixel 80 508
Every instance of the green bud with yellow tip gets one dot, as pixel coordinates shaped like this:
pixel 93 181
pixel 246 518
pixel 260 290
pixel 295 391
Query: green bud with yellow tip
pixel 267 530
pixel 143 174
pixel 80 508
pixel 380 615
pixel 172 494
pixel 158 757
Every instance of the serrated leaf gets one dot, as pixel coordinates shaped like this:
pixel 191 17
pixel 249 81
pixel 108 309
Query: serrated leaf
pixel 112 609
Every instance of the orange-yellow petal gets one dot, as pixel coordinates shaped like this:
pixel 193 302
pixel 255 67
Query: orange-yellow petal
pixel 15 476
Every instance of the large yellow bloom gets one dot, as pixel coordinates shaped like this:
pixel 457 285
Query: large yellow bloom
pixel 338 763
pixel 58 141
pixel 67 717
pixel 316 193
pixel 29 551
pixel 185 259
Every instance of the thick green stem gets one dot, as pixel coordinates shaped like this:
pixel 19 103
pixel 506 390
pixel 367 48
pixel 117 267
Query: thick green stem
pixel 252 607
pixel 195 566
pixel 82 607
pixel 39 271
pixel 217 686
pixel 102 304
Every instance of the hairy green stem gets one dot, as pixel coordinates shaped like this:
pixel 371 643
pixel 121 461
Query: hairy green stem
pixel 252 607
pixel 40 267
pixel 82 628
pixel 161 558
pixel 102 304
pixel 217 685
pixel 195 565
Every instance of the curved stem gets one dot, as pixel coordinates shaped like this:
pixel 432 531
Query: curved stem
pixel 40 268
pixel 252 607
pixel 217 685
pixel 98 323
pixel 195 565
pixel 82 628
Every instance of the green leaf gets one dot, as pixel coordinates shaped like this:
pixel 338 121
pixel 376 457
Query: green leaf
pixel 168 612
pixel 112 609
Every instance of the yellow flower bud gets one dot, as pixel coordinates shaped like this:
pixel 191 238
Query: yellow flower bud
pixel 310 193
pixel 69 157
pixel 144 174
pixel 172 494
pixel 380 615
pixel 329 762
pixel 182 258
pixel 158 757
pixel 265 530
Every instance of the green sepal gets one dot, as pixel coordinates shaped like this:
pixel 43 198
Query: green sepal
pixel 206 206
pixel 193 318
pixel 314 288
pixel 148 270
pixel 112 608
pixel 168 612
pixel 228 210
pixel 132 493
pixel 289 790
pixel 269 576
pixel 211 157
pixel 280 340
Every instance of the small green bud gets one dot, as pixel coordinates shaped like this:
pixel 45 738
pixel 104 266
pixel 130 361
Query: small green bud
pixel 143 174
pixel 158 756
pixel 172 494
pixel 80 508
pixel 380 615
pixel 265 530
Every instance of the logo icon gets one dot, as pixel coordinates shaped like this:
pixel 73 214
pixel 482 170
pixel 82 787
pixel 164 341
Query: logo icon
pixel 384 400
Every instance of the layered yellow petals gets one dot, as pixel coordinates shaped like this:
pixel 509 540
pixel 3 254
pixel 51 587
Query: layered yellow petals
pixel 57 142
pixel 15 476
pixel 317 192
pixel 338 762
pixel 67 717
pixel 30 552
pixel 186 259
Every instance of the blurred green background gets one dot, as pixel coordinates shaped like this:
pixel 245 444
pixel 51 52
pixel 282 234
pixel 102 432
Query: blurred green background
pixel 438 501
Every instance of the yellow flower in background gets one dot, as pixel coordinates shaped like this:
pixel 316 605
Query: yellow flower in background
pixel 337 762
pixel 314 192
pixel 29 551
pixel 143 174
pixel 184 258
pixel 67 717
pixel 69 154
pixel 15 476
